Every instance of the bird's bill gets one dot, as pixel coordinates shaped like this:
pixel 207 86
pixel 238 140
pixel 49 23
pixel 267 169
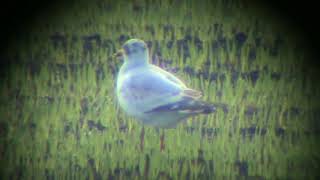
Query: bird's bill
pixel 119 54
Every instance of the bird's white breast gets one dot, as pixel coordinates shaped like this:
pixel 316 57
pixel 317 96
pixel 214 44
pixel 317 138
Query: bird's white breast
pixel 127 101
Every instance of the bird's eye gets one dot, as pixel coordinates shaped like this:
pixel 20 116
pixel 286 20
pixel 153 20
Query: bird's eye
pixel 126 49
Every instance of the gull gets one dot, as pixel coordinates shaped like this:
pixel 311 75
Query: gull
pixel 152 95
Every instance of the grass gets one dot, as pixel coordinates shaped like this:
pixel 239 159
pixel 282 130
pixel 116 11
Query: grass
pixel 60 118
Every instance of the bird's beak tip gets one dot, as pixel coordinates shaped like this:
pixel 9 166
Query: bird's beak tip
pixel 119 54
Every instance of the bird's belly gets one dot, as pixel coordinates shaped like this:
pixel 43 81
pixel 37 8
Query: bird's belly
pixel 164 119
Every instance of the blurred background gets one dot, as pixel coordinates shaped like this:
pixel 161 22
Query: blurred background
pixel 257 62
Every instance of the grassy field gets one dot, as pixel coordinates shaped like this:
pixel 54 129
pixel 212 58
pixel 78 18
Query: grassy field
pixel 60 118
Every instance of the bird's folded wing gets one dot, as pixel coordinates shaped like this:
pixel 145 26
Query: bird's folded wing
pixel 184 90
pixel 150 89
pixel 168 76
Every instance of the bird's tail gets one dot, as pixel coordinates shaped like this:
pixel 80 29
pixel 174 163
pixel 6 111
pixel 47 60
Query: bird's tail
pixel 197 107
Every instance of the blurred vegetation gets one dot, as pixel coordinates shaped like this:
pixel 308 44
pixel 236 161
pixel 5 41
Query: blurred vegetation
pixel 60 119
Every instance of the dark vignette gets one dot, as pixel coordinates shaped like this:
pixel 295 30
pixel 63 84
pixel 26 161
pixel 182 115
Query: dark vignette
pixel 17 17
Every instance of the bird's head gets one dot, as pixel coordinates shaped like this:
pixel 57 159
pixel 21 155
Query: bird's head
pixel 134 51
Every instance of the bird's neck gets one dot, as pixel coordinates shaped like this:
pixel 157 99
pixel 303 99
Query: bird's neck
pixel 134 62
pixel 126 67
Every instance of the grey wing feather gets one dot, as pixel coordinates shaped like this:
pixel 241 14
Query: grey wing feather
pixel 185 90
pixel 186 105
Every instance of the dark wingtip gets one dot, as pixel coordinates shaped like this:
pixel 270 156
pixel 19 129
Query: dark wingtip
pixel 209 109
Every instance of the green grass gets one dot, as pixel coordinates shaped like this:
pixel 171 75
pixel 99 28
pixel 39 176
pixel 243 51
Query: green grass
pixel 60 118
